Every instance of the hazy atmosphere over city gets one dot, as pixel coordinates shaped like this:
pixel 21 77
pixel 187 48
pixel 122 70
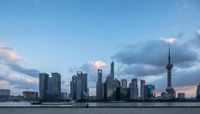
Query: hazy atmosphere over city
pixel 67 36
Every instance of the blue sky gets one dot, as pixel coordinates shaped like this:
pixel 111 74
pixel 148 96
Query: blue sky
pixel 56 36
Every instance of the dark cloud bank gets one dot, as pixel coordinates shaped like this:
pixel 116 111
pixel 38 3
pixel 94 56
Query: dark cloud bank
pixel 150 59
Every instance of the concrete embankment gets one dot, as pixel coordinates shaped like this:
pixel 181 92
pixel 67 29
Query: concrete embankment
pixel 100 110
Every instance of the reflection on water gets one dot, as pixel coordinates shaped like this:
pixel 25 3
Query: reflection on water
pixel 109 104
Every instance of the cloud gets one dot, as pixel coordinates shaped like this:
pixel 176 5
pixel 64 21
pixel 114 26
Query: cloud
pixel 93 65
pixel 11 58
pixel 29 72
pixel 151 57
pixel 8 54
pixel 148 61
pixel 140 70
pixel 198 32
pixel 19 81
pixel 91 68
pixel 13 74
pixel 186 7
pixel 195 41
pixel 168 40
pixel 197 38
pixel 188 90
pixel 181 80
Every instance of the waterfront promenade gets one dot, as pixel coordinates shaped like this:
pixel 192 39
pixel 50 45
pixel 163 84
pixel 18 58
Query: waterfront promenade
pixel 99 109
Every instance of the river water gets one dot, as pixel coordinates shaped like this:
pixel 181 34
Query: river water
pixel 108 104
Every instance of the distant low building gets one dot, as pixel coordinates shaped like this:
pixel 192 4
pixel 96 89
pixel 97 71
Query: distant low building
pixel 92 98
pixel 181 96
pixel 164 95
pixel 64 96
pixel 16 98
pixel 4 94
pixel 30 95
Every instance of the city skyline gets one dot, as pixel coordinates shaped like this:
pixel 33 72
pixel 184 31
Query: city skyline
pixel 68 36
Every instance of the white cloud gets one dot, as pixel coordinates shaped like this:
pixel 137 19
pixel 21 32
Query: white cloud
pixel 91 68
pixel 9 55
pixel 198 32
pixel 97 64
pixel 145 60
pixel 15 77
pixel 168 40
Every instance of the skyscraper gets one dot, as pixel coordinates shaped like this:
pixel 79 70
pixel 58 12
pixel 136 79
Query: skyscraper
pixel 133 87
pixel 43 86
pixel 124 83
pixel 78 87
pixel 112 70
pixel 56 88
pixel 170 90
pixel 123 90
pixel 109 88
pixel 73 87
pixel 142 85
pixel 50 87
pixel 99 86
pixel 117 89
pixel 82 89
pixel 198 92
pixel 149 92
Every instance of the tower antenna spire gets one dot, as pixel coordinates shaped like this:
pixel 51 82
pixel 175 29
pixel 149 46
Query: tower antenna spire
pixel 169 57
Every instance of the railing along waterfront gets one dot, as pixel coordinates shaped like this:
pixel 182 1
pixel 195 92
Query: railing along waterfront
pixel 78 107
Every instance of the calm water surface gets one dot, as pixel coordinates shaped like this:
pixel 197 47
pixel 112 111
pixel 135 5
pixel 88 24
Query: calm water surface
pixel 109 104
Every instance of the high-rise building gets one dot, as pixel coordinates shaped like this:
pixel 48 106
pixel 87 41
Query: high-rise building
pixel 112 70
pixel 79 89
pixel 198 92
pixel 123 90
pixel 117 89
pixel 50 87
pixel 109 88
pixel 170 90
pixel 149 92
pixel 43 86
pixel 133 88
pixel 142 85
pixel 73 87
pixel 4 94
pixel 124 83
pixel 56 88
pixel 99 86
pixel 82 89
